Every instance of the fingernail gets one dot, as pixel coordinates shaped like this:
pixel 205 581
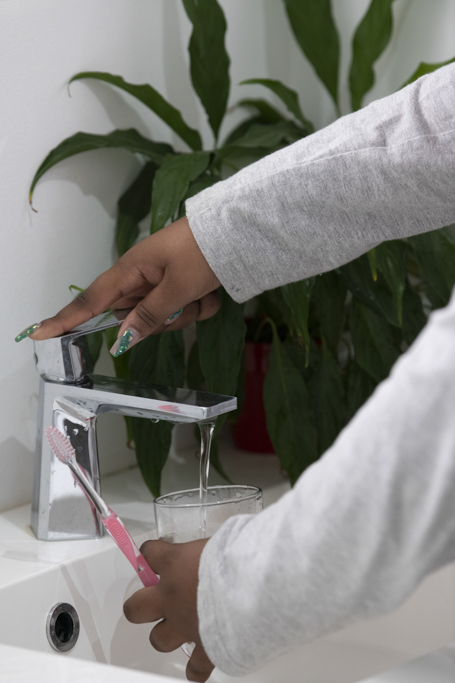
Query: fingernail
pixel 123 343
pixel 173 317
pixel 27 332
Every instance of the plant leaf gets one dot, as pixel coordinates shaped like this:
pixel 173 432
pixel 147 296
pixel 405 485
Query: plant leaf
pixel 258 139
pixel 95 343
pixel 121 362
pixel 194 376
pixel 152 443
pixel 171 184
pixel 370 40
pixel 157 359
pixel 267 113
pixel 375 344
pixel 297 297
pixel 236 158
pixel 360 387
pixel 202 183
pixel 435 254
pixel 391 262
pixel 329 297
pixel 153 100
pixel 268 135
pixel 221 340
pixel 121 370
pixel 126 232
pixel 290 422
pixel 425 68
pixel 414 318
pixel 209 65
pixel 76 288
pixel 288 96
pixel 239 131
pixel 316 33
pixel 327 399
pixel 373 263
pixel 376 295
pixel 85 142
pixel 215 459
pixel 133 206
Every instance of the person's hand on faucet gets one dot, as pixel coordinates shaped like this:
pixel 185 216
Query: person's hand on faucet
pixel 159 277
pixel 173 601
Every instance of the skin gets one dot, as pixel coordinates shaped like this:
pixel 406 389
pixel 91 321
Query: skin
pixel 162 274
pixel 173 601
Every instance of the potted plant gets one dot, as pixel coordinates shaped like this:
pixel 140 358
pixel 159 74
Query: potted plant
pixel 332 338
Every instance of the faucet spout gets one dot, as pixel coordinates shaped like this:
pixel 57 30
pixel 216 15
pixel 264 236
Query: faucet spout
pixel 71 399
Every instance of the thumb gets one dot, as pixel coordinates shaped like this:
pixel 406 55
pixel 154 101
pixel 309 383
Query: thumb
pixel 199 667
pixel 159 307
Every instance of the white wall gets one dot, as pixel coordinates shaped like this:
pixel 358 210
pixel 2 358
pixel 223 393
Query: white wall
pixel 70 239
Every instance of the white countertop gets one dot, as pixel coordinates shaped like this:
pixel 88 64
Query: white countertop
pixel 22 556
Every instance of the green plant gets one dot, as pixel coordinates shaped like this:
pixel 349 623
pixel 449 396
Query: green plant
pixel 334 337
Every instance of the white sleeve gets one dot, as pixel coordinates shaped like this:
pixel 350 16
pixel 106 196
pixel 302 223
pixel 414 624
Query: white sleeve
pixel 358 532
pixel 382 173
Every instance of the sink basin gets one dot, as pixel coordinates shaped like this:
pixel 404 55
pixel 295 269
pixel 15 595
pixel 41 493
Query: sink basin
pixel 95 578
pixel 436 667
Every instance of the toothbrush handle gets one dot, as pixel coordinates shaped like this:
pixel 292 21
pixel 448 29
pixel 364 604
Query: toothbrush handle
pixel 145 573
pixel 120 534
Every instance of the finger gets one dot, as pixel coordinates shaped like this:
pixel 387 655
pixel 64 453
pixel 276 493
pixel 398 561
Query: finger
pixel 144 606
pixel 209 305
pixel 165 638
pixel 196 311
pixel 199 667
pixel 104 291
pixel 149 315
pixel 156 554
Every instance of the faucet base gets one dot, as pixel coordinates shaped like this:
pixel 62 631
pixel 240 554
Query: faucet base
pixel 60 509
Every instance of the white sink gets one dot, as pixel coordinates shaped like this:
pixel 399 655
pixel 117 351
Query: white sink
pixel 95 578
pixel 437 667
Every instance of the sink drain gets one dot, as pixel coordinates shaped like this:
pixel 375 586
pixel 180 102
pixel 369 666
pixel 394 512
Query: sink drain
pixel 62 627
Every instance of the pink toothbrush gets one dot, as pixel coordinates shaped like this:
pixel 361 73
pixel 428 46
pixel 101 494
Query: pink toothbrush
pixel 64 451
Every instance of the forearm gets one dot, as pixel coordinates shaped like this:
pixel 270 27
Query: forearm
pixel 358 532
pixel 382 173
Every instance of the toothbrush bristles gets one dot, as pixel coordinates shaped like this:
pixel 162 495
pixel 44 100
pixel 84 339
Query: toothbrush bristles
pixel 60 445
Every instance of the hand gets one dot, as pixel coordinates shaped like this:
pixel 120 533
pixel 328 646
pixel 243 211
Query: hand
pixel 174 601
pixel 159 276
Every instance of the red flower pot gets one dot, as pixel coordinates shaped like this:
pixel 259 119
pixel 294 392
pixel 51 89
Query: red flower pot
pixel 250 431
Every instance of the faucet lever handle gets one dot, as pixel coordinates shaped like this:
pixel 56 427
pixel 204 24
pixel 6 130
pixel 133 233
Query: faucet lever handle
pixel 67 358
pixel 99 322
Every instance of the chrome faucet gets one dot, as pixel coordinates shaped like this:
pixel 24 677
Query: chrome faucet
pixel 71 398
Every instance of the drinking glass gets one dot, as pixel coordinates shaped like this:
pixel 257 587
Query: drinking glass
pixel 185 516
pixel 182 516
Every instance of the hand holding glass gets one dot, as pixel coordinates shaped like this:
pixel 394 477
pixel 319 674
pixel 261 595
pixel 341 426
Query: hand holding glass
pixel 182 517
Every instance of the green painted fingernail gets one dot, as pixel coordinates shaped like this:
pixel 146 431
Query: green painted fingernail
pixel 173 317
pixel 123 344
pixel 27 332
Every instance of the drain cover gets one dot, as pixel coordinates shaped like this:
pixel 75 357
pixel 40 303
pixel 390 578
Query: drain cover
pixel 62 627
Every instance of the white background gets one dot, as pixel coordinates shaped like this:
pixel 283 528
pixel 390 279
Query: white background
pixel 70 240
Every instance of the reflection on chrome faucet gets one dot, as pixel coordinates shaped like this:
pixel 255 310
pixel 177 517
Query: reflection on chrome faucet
pixel 71 398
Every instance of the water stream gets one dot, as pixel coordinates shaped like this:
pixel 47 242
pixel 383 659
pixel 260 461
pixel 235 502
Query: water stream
pixel 206 429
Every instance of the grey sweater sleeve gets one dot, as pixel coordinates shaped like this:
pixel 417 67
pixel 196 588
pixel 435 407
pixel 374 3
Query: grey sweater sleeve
pixel 384 172
pixel 359 530
pixel 377 513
